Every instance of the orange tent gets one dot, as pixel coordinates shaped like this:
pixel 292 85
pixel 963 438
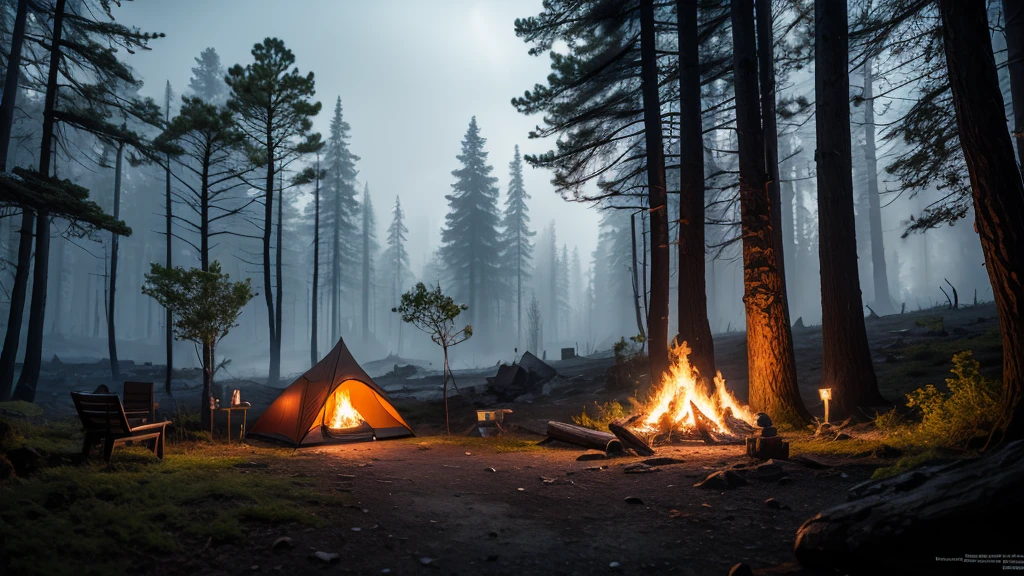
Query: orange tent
pixel 334 401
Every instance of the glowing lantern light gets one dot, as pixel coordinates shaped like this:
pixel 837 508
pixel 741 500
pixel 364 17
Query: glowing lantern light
pixel 826 395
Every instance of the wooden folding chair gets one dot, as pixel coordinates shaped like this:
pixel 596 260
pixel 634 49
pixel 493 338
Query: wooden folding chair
pixel 103 418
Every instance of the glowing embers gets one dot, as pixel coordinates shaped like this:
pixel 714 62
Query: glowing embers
pixel 342 415
pixel 686 409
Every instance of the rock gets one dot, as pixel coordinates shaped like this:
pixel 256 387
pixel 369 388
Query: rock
pixel 723 479
pixel 639 468
pixel 909 518
pixel 633 500
pixel 769 471
pixel 776 505
pixel 741 570
pixel 784 481
pixel 425 561
pixel 489 470
pixel 326 557
pixel 763 420
pixel 25 460
pixel 886 451
pixel 281 543
pixel 591 456
pixel 614 565
pixel 842 436
pixel 662 461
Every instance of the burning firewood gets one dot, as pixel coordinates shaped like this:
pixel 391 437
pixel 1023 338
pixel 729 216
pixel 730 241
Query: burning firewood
pixel 630 439
pixel 705 426
pixel 735 425
pixel 585 437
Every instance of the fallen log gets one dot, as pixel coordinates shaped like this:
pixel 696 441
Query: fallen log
pixel 736 426
pixel 630 439
pixel 585 437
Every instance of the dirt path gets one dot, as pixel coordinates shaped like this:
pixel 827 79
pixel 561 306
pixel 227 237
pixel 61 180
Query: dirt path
pixel 427 507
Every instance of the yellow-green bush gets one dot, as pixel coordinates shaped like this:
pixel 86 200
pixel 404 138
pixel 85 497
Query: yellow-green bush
pixel 602 415
pixel 967 411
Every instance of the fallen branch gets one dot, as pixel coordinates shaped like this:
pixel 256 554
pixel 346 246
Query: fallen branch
pixel 956 297
pixel 630 440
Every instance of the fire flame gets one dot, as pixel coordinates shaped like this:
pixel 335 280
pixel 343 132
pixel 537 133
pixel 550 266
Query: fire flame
pixel 344 415
pixel 671 405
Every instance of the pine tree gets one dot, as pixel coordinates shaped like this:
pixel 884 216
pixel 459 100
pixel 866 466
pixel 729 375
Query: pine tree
pixel 207 80
pixel 396 259
pixel 369 247
pixel 341 212
pixel 517 255
pixel 272 103
pixel 470 237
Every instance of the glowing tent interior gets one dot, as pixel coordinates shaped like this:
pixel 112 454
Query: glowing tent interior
pixel 335 401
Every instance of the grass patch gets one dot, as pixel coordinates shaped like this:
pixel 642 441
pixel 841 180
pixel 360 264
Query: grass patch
pixel 851 447
pixel 907 462
pixel 601 415
pixel 501 444
pixel 20 409
pixel 148 507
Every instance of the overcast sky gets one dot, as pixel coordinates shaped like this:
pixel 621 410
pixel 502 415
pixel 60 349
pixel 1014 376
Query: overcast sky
pixel 410 74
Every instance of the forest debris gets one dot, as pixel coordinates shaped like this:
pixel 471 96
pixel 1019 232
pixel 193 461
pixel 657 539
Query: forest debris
pixel 281 543
pixel 630 439
pixel 633 500
pixel 639 468
pixel 326 557
pixel 723 479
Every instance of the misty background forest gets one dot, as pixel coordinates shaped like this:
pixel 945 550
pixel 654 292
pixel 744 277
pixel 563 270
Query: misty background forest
pixel 396 166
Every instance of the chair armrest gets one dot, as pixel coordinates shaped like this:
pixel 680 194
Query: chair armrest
pixel 152 426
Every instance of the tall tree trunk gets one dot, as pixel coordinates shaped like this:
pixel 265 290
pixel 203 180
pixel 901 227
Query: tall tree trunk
pixel 336 266
pixel 770 356
pixel 314 355
pixel 275 353
pixel 207 393
pixel 273 374
pixel 115 368
pixel 366 268
pixel 694 328
pixel 19 290
pixel 204 216
pixel 766 66
pixel 9 356
pixel 168 256
pixel 11 82
pixel 657 315
pixel 996 186
pixel 29 377
pixel 1013 12
pixel 846 360
pixel 883 301
pixel 636 282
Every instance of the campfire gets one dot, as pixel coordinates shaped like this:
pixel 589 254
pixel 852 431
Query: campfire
pixel 685 409
pixel 344 414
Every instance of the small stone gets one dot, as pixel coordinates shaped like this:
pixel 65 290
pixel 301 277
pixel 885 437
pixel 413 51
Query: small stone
pixel 469 453
pixel 282 543
pixel 721 479
pixel 591 456
pixel 490 470
pixel 385 570
pixel 639 468
pixel 254 567
pixel 633 500
pixel 784 481
pixel 426 561
pixel 356 529
pixel 613 565
pixel 326 557
pixel 741 570
pixel 521 489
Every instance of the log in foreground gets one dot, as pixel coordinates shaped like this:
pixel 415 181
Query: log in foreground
pixel 585 437
pixel 630 440
pixel 949 511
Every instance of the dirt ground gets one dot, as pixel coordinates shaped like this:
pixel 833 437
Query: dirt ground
pixel 422 506
pixel 430 505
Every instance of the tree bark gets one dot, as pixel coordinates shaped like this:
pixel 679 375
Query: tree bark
pixel 657 315
pixel 771 360
pixel 12 339
pixel 692 300
pixel 1013 12
pixel 846 360
pixel 883 301
pixel 168 256
pixel 273 374
pixel 29 377
pixel 314 355
pixel 11 82
pixel 766 77
pixel 115 368
pixel 996 187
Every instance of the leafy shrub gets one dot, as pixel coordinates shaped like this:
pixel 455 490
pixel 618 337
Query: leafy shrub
pixel 967 411
pixel 603 414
